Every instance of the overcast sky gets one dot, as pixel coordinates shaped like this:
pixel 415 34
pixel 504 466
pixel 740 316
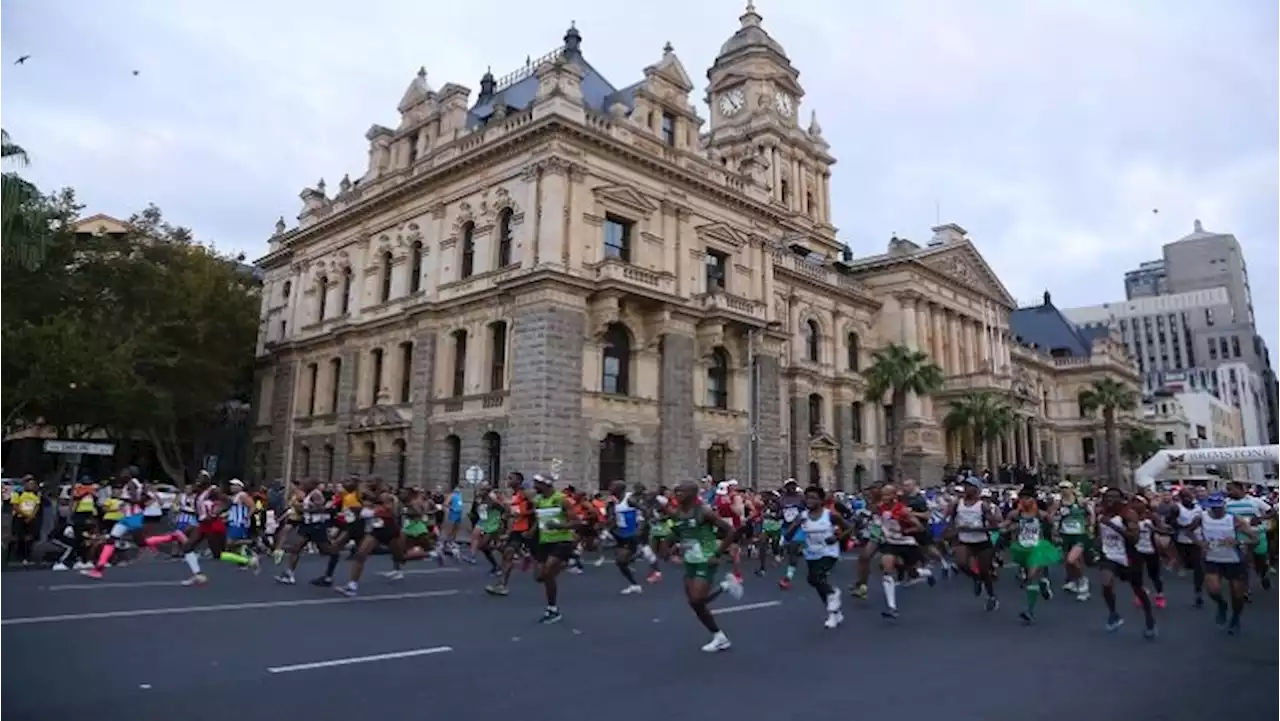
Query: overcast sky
pixel 1052 131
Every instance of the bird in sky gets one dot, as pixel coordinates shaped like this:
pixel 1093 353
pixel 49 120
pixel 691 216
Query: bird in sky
pixel 22 60
pixel 135 72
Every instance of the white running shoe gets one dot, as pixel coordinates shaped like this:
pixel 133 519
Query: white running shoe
pixel 396 575
pixel 632 589
pixel 719 642
pixel 60 567
pixel 835 618
pixel 833 601
pixel 733 586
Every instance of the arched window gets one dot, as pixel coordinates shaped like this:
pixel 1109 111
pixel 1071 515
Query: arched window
pixel 492 457
pixel 387 260
pixel 468 266
pixel 328 462
pixel 616 360
pixel 370 457
pixel 812 340
pixel 304 463
pixel 718 379
pixel 415 267
pixel 402 463
pixel 453 446
pixel 815 474
pixel 808 202
pixel 322 289
pixel 717 461
pixel 852 348
pixel 613 459
pixel 346 290
pixel 815 414
pixel 504 238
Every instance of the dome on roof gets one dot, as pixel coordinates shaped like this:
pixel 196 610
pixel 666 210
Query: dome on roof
pixel 751 35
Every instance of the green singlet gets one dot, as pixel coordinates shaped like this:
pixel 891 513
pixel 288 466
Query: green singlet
pixel 699 540
pixel 414 527
pixel 550 509
pixel 660 528
pixel 490 518
pixel 1073 526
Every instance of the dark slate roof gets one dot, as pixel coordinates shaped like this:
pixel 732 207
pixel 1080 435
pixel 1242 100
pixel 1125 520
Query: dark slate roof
pixel 1049 330
pixel 597 91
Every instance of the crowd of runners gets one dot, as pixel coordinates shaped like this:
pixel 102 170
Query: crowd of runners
pixel 715 532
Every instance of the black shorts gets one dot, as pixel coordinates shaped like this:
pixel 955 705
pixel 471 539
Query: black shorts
pixel 385 535
pixel 924 540
pixel 909 555
pixel 520 540
pixel 979 547
pixel 1127 574
pixel 317 533
pixel 1228 571
pixel 631 543
pixel 355 530
pixel 562 550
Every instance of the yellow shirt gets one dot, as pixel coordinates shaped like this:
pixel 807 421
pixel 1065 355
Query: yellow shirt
pixel 25 504
pixel 113 511
pixel 351 500
pixel 85 504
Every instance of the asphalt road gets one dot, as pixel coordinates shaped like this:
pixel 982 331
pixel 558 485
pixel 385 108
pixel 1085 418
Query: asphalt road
pixel 139 647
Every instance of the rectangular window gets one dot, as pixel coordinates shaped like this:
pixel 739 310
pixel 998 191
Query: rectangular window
pixel 617 238
pixel 669 129
pixel 1168 438
pixel 411 150
pixel 377 374
pixel 406 371
pixel 313 384
pixel 1222 348
pixel 717 271
pixel 459 363
pixel 498 367
pixel 1235 346
pixel 1088 451
pixel 855 423
pixel 335 377
pixel 1213 349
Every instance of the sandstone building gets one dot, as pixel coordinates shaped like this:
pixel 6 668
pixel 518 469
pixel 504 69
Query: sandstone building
pixel 563 268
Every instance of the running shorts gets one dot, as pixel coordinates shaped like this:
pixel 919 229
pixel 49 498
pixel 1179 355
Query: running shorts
pixel 979 547
pixel 1227 571
pixel 908 554
pixel 562 550
pixel 520 540
pixel 1070 541
pixel 317 533
pixel 701 571
pixel 1127 574
pixel 239 533
pixel 631 543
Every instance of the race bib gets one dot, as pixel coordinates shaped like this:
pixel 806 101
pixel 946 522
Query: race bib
pixel 378 523
pixel 27 507
pixel 693 552
pixel 1029 535
pixel 482 510
pixel 547 516
pixel 1225 542
pixel 1113 544
pixel 1072 526
pixel 790 514
pixel 349 516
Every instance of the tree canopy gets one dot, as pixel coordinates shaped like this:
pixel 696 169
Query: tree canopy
pixel 150 333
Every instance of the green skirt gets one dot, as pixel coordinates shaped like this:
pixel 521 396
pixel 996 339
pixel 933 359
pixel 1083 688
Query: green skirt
pixel 1041 555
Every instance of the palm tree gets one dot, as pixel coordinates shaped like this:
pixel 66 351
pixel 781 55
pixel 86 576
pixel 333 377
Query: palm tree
pixel 1109 396
pixel 21 230
pixel 987 417
pixel 1139 445
pixel 897 371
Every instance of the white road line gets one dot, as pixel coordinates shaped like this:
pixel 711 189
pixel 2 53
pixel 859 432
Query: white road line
pixel 160 584
pixel 178 610
pixel 745 607
pixel 359 659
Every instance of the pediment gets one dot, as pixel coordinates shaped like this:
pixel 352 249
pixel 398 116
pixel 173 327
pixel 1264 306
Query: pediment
pixel 670 68
pixel 823 442
pixel 723 233
pixel 964 264
pixel 625 196
pixel 379 417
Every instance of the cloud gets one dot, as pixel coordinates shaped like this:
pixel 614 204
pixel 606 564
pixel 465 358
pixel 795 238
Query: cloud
pixel 1051 130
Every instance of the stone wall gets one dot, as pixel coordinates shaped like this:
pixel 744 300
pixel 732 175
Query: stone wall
pixel 800 438
pixel 545 405
pixel 285 370
pixel 843 431
pixel 420 441
pixel 347 376
pixel 677 443
pixel 769 444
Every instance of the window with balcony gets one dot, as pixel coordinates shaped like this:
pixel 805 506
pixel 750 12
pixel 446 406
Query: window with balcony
pixel 718 379
pixel 815 474
pixel 322 296
pixel 335 379
pixel 504 237
pixel 453 450
pixel 717 271
pixel 377 357
pixel 784 189
pixel 852 350
pixel 669 129
pixel 415 267
pixel 406 371
pixel 497 355
pixel 304 462
pixel 615 367
pixel 617 238
pixel 459 387
pixel 815 414
pixel 313 385
pixel 1081 407
pixel 286 290
pixel 812 341
pixel 467 265
pixel 385 272
pixel 346 290
pixel 808 202
pixel 855 422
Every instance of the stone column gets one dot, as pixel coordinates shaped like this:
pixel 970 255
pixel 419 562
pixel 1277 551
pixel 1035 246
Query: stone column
pixel 955 332
pixel 826 197
pixel 769 450
pixel 1034 432
pixel 938 337
pixel 544 408
pixel 969 330
pixel 419 443
pixel 911 339
pixel 551 214
pixel 799 435
pixel 923 327
pixel 283 390
pixel 347 389
pixel 677 443
pixel 842 415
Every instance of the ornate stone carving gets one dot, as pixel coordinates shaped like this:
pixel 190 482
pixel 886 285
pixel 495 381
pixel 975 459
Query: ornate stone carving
pixel 437 211
pixel 605 313
pixel 465 215
pixel 379 416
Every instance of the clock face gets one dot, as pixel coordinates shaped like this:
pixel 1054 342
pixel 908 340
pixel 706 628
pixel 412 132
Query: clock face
pixel 785 104
pixel 732 101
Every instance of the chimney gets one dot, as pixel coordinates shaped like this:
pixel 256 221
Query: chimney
pixel 947 233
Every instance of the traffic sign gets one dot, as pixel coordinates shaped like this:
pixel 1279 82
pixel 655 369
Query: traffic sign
pixel 474 475
pixel 82 447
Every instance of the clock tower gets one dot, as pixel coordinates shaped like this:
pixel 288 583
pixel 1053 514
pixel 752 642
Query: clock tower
pixel 754 95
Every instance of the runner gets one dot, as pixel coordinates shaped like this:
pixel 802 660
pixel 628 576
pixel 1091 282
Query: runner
pixel 1224 539
pixel 1031 549
pixel 134 499
pixel 624 526
pixel 791 504
pixel 1149 524
pixel 970 519
pixel 347 505
pixel 1186 542
pixel 1074 519
pixel 1118 534
pixel 488 527
pixel 240 539
pixel 1256 511
pixel 381 517
pixel 900 548
pixel 555 546
pixel 703 536
pixel 312 518
pixel 729 506
pixel 521 534
pixel 823 531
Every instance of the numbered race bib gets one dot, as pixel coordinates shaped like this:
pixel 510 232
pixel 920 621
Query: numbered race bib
pixel 1028 534
pixel 482 510
pixel 790 514
pixel 693 552
pixel 1113 544
pixel 349 516
pixel 1072 526
pixel 547 516
pixel 313 518
pixel 28 507
pixel 1225 542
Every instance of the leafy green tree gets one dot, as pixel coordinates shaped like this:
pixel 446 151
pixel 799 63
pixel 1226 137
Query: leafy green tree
pixel 1110 397
pixel 24 230
pixel 895 372
pixel 1139 445
pixel 986 416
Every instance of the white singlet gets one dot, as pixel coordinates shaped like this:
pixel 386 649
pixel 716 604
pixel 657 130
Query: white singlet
pixel 1220 537
pixel 1187 516
pixel 1146 544
pixel 971 522
pixel 1113 543
pixel 816 532
pixel 893 535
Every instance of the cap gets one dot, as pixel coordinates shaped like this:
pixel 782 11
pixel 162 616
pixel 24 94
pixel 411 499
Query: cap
pixel 236 482
pixel 971 480
pixel 1066 484
pixel 1216 500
